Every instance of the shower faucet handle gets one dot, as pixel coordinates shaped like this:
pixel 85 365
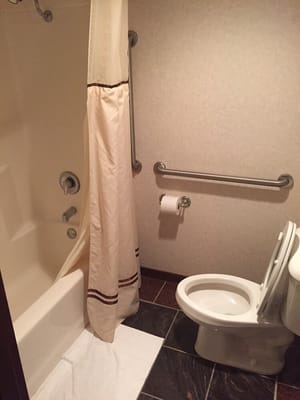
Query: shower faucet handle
pixel 68 185
pixel 69 213
pixel 69 182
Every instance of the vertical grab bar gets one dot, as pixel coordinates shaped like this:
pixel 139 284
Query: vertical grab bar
pixel 136 164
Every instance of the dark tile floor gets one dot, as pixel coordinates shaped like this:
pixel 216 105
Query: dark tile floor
pixel 180 374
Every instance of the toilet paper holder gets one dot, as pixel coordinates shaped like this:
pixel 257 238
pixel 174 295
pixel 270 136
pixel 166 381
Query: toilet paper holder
pixel 185 201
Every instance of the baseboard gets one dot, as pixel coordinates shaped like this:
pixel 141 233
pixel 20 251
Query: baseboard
pixel 163 275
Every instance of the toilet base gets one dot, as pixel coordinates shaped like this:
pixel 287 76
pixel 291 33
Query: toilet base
pixel 259 350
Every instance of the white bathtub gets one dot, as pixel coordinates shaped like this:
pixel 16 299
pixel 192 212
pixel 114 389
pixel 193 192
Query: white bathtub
pixel 48 315
pixel 48 327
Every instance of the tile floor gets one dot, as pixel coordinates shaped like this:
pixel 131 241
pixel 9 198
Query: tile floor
pixel 179 374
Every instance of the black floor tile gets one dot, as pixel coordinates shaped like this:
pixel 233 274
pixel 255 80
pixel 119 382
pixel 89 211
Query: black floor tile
pixel 152 318
pixel 296 341
pixel 167 295
pixel 150 288
pixel 234 384
pixel 178 376
pixel 183 334
pixel 144 396
pixel 287 393
pixel 291 371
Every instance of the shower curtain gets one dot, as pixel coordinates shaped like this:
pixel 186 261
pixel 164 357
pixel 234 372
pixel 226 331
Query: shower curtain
pixel 113 264
pixel 108 211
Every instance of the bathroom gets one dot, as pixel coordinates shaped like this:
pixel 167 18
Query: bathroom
pixel 216 89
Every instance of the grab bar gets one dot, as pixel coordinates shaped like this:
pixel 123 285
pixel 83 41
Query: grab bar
pixel 284 181
pixel 136 164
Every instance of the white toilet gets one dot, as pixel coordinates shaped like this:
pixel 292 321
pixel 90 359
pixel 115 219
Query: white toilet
pixel 242 323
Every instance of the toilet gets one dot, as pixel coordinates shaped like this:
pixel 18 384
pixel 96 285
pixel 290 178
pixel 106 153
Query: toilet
pixel 244 324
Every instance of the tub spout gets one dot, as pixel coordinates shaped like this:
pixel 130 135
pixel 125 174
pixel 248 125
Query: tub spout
pixel 69 213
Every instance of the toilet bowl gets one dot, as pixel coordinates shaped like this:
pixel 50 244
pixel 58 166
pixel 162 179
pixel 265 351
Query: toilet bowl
pixel 244 324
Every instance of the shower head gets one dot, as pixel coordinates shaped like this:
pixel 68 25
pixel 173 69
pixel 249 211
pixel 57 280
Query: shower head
pixel 45 14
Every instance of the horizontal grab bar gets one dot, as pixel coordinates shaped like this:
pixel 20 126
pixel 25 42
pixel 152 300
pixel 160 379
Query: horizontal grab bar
pixel 284 181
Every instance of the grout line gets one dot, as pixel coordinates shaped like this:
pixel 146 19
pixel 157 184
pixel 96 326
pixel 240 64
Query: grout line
pixel 180 351
pixel 159 292
pixel 291 386
pixel 170 327
pixel 269 377
pixel 151 395
pixel 209 383
pixel 160 305
pixel 275 389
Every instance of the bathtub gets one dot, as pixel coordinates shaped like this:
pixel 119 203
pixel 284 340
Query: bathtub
pixel 48 316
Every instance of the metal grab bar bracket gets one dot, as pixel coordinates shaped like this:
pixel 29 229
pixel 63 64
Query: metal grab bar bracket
pixel 289 179
pixel 133 38
pixel 284 181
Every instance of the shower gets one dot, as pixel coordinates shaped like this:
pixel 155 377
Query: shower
pixel 45 14
pixel 33 75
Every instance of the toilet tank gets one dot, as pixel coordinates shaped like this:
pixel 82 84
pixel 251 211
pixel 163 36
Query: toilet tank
pixel 290 313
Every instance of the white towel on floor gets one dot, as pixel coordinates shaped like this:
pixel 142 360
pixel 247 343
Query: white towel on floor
pixel 99 370
pixel 58 385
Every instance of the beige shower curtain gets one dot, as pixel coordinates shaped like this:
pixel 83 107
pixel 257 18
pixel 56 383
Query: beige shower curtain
pixel 108 228
pixel 113 265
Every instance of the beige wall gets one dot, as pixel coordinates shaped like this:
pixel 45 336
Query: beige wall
pixel 43 74
pixel 217 89
pixel 43 94
pixel 15 204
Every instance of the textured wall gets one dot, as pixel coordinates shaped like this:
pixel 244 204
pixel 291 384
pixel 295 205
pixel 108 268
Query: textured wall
pixel 15 199
pixel 217 89
pixel 44 73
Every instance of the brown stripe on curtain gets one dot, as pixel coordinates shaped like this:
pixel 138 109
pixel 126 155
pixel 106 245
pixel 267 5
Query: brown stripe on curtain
pixel 104 85
pixel 102 294
pixel 128 279
pixel 129 283
pixel 94 296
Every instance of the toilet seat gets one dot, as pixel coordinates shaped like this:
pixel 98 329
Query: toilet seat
pixel 226 300
pixel 273 287
pixel 245 295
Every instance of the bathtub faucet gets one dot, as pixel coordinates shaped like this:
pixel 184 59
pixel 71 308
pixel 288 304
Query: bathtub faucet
pixel 69 213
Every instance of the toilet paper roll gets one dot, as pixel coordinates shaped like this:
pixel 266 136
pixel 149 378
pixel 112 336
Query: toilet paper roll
pixel 170 205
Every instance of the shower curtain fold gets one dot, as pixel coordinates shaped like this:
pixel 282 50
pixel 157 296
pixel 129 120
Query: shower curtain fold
pixel 108 233
pixel 79 255
pixel 113 262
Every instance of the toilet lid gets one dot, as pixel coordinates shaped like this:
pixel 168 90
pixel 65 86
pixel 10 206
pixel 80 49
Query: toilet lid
pixel 276 271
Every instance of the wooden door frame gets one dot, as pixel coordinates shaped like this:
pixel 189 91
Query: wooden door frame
pixel 12 380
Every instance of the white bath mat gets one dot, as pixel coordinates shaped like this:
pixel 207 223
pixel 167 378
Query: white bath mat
pixel 58 385
pixel 95 370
